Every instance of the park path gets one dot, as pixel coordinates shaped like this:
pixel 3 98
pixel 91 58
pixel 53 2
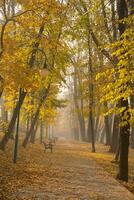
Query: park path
pixel 68 174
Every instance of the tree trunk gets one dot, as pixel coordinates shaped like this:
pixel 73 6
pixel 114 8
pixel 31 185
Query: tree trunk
pixel 12 122
pixel 132 137
pixel 75 129
pixel 106 20
pixel 117 155
pixel 3 111
pixel 89 130
pixel 96 128
pixel 107 130
pixel 41 132
pixel 124 150
pixel 102 138
pixel 33 135
pixel 81 113
pixel 91 135
pixel 16 141
pixel 35 118
pixel 27 123
pixel 76 133
pixel 113 20
pixel 82 127
pixel 107 127
pixel 1 84
pixel 96 122
pixel 124 130
pixel 92 131
pixel 132 126
pixel 115 135
pixel 131 7
pixel 31 130
pixel 81 119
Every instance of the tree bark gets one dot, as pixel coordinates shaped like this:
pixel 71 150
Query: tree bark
pixel 90 134
pixel 89 130
pixel 105 21
pixel 107 127
pixel 31 130
pixel 96 122
pixel 102 138
pixel 12 122
pixel 107 131
pixel 76 133
pixel 82 126
pixel 79 109
pixel 33 135
pixel 115 135
pixel 132 126
pixel 122 11
pixel 27 123
pixel 96 125
pixel 113 20
pixel 132 137
pixel 35 118
pixel 41 132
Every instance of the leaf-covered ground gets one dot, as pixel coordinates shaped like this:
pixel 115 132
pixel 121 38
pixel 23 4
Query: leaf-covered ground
pixel 104 158
pixel 69 173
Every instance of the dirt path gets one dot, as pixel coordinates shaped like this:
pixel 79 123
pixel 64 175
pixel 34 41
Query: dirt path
pixel 66 174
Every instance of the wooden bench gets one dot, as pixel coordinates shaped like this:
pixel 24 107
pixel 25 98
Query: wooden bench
pixel 48 145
